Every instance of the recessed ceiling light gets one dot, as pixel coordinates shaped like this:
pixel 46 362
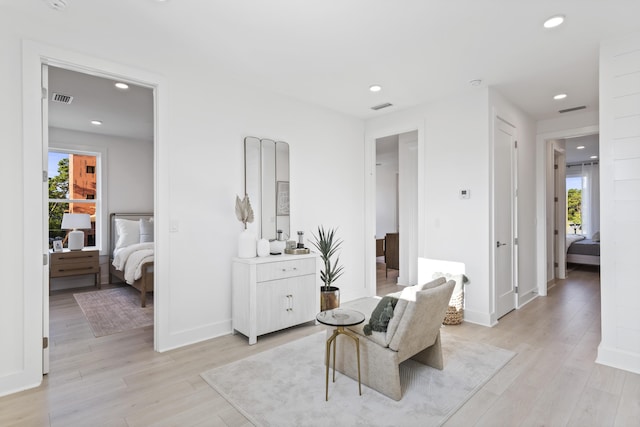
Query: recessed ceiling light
pixel 96 122
pixel 375 88
pixel 580 147
pixel 593 157
pixel 554 21
pixel 560 96
pixel 58 4
pixel 121 85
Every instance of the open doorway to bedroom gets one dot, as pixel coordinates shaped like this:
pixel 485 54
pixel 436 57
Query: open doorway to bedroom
pixel 582 229
pixel 573 205
pixel 100 159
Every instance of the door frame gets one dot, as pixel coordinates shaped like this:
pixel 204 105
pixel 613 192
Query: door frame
pixel 542 167
pixel 370 196
pixel 35 271
pixel 559 188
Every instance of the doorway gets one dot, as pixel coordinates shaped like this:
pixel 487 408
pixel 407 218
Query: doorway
pixel 409 208
pixel 396 196
pixel 99 137
pixel 544 202
pixel 35 268
pixel 387 214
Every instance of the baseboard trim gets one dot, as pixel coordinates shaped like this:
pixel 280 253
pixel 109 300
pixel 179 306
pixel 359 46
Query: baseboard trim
pixel 195 335
pixel 483 319
pixel 620 359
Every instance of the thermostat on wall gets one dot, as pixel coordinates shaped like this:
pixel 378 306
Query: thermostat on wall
pixel 465 194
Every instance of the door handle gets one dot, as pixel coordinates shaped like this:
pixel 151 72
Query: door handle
pixel 498 244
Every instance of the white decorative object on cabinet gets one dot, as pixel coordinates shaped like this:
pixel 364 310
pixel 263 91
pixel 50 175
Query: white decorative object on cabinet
pixel 274 293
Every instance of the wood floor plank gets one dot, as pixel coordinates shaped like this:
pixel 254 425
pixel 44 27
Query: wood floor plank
pixel 596 408
pixel 628 412
pixel 118 380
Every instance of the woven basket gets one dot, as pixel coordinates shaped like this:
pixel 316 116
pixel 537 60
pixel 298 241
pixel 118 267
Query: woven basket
pixel 455 311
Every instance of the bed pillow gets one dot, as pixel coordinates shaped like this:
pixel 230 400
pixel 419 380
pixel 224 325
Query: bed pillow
pixel 128 232
pixel 146 230
pixel 596 236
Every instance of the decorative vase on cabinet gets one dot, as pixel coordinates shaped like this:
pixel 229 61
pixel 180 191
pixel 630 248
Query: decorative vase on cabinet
pixel 247 244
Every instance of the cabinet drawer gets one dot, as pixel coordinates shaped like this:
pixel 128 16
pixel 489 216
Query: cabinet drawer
pixel 285 269
pixel 73 257
pixel 73 269
pixel 74 263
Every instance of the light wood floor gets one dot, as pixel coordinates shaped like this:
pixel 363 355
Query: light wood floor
pixel 119 381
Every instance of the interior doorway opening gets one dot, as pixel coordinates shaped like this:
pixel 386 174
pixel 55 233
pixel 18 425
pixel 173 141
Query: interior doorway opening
pixel 559 152
pixel 396 219
pixel 100 157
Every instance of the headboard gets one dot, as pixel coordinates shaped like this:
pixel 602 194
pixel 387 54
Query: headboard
pixel 113 231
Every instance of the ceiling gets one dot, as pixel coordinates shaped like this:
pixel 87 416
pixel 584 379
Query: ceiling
pixel 328 53
pixel 575 155
pixel 123 113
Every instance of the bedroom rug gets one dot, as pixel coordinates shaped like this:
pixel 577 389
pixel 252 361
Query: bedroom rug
pixel 285 386
pixel 114 310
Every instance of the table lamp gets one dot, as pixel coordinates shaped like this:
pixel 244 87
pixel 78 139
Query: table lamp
pixel 75 222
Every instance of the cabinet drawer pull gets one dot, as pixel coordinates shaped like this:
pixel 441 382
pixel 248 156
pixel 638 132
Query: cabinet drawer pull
pixel 284 270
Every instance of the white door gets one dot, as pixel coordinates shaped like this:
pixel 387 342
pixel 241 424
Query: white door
pixel 504 193
pixel 45 217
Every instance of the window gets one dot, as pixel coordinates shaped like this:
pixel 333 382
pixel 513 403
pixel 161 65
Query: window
pixel 583 199
pixel 73 189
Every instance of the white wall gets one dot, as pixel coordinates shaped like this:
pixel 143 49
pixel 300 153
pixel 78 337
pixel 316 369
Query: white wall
pixel 456 155
pixel 207 115
pixel 620 202
pixel 386 194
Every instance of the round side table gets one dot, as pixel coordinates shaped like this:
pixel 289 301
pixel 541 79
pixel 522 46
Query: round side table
pixel 340 318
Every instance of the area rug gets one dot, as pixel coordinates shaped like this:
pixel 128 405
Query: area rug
pixel 114 310
pixel 285 386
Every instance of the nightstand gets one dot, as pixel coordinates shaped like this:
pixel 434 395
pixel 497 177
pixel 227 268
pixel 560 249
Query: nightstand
pixel 75 263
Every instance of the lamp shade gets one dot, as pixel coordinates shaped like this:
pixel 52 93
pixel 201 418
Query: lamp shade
pixel 75 222
pixel 72 221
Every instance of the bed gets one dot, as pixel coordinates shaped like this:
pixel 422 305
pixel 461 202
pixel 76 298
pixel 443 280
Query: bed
pixel 132 251
pixel 581 250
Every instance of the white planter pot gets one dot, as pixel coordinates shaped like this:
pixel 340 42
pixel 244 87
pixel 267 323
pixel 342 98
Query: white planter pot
pixel 263 247
pixel 247 244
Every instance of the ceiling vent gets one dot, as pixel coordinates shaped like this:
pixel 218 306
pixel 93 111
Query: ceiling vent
pixel 568 110
pixel 381 106
pixel 63 99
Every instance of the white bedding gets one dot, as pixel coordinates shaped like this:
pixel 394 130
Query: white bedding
pixel 130 259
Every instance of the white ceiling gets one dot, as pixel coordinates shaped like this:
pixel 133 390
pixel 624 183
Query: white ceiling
pixel 328 52
pixel 124 113
pixel 591 148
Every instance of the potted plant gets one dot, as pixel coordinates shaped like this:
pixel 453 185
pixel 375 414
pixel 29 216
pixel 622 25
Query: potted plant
pixel 328 244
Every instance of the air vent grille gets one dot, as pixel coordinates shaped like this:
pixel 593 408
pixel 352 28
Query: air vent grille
pixel 381 106
pixel 61 98
pixel 567 110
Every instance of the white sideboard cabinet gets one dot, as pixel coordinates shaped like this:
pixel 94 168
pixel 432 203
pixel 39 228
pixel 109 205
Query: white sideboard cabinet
pixel 274 292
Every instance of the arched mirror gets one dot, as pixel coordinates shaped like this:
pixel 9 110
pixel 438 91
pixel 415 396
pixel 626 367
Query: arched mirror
pixel 266 174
